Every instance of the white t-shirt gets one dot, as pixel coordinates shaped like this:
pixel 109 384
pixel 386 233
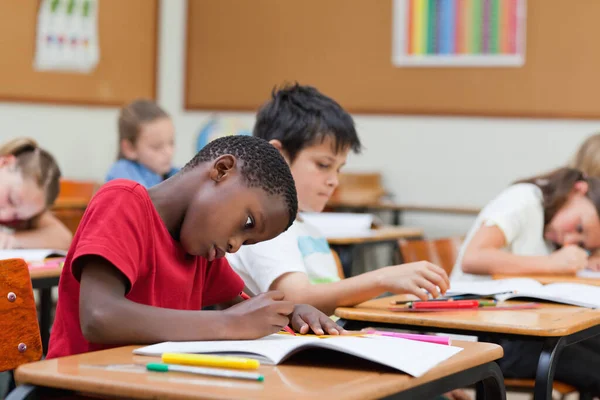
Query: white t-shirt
pixel 519 213
pixel 299 249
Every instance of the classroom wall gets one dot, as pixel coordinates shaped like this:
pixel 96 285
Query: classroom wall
pixel 425 160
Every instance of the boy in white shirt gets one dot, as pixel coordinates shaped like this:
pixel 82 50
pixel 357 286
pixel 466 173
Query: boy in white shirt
pixel 315 135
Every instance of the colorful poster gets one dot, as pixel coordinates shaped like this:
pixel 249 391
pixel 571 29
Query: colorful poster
pixel 459 33
pixel 67 36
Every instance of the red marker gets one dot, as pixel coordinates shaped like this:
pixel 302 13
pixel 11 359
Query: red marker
pixel 443 305
pixel 285 328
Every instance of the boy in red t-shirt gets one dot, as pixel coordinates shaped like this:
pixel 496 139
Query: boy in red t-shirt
pixel 145 261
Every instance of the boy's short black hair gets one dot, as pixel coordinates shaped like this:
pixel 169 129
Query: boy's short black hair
pixel 299 116
pixel 261 166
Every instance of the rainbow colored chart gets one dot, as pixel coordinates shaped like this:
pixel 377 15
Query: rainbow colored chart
pixel 459 32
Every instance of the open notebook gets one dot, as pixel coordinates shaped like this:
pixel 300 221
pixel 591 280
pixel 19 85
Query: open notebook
pixel 409 356
pixel 523 288
pixel 31 255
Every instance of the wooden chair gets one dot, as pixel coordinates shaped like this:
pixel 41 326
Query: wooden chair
pixel 78 189
pixel 443 252
pixel 20 340
pixel 359 189
pixel 72 200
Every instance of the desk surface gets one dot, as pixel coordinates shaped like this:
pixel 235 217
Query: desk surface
pixel 383 234
pixel 546 279
pixel 390 206
pixel 300 380
pixel 550 320
pixel 39 273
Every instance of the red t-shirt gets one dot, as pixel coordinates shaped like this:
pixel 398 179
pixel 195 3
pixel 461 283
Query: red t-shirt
pixel 122 226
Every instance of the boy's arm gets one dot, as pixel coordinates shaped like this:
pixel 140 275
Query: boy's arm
pixel 407 278
pixel 47 232
pixel 106 316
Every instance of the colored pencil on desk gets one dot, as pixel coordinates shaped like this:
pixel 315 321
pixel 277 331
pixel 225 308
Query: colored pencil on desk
pixel 524 306
pixel 445 340
pixel 222 373
pixel 456 304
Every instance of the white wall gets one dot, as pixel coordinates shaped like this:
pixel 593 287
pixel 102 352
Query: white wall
pixel 425 160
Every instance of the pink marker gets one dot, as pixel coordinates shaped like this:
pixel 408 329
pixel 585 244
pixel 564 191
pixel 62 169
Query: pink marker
pixel 445 340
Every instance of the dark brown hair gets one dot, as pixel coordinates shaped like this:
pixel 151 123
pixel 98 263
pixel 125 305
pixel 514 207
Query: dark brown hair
pixel 132 116
pixel 558 184
pixel 35 163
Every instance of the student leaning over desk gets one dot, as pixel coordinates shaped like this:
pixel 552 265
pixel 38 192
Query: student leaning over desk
pixel 587 160
pixel 144 262
pixel 29 185
pixel 542 225
pixel 315 134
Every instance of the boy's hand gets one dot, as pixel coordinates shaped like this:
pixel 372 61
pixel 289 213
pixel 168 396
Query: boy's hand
pixel 306 317
pixel 412 278
pixel 259 316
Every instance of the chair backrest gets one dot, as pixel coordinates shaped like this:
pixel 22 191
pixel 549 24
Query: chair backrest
pixel 72 200
pixel 338 263
pixel 20 340
pixel 359 188
pixel 442 252
pixel 77 189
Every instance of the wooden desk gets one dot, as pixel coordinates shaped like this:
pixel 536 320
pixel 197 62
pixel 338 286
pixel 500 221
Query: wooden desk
pixel 299 379
pixel 546 279
pixel 379 235
pixel 398 209
pixel 555 325
pixel 44 279
pixel 345 246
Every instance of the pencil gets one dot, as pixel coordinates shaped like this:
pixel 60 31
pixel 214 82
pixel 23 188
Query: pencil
pixel 223 373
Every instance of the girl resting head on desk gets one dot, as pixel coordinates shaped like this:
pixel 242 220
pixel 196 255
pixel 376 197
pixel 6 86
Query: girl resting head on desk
pixel 547 224
pixel 29 185
pixel 542 225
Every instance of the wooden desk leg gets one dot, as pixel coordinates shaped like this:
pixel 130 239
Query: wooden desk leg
pixel 45 316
